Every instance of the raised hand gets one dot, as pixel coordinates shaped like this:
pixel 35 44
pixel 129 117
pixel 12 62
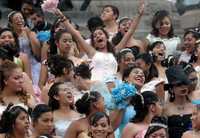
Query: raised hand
pixel 141 7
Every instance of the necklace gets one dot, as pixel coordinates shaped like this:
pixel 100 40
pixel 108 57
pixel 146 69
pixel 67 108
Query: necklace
pixel 180 107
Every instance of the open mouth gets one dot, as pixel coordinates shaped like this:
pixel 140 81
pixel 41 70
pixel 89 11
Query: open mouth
pixel 99 40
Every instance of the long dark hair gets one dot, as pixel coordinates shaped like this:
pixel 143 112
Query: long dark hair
pixel 9 117
pixel 141 103
pixel 108 46
pixel 157 18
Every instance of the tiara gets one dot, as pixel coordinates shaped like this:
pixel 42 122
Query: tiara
pixel 157 124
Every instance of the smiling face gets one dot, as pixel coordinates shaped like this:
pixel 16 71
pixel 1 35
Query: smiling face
pixel 100 129
pixel 164 27
pixel 189 42
pixel 159 51
pixel 7 38
pixel 127 60
pixel 136 77
pixel 99 39
pixel 17 21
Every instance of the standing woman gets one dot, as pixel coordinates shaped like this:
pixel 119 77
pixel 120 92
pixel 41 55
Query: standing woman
pixel 88 104
pixel 147 106
pixel 14 122
pixel 28 42
pixel 61 102
pixel 162 30
pixel 179 108
pixel 8 37
pixel 109 16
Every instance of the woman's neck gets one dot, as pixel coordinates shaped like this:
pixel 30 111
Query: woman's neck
pixel 64 108
pixel 8 93
pixel 158 64
pixel 17 134
pixel 111 26
pixel 147 119
pixel 180 100
pixel 87 84
pixel 60 79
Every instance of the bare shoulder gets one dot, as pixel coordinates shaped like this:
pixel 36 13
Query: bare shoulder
pixel 187 134
pixel 130 130
pixel 2 135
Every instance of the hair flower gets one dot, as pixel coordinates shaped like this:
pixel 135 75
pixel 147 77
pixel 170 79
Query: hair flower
pixel 121 93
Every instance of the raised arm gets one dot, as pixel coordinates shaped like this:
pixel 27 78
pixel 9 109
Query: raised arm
pixel 90 51
pixel 133 27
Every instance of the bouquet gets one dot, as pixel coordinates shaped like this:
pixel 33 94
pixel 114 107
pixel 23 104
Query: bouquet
pixel 121 93
pixel 50 5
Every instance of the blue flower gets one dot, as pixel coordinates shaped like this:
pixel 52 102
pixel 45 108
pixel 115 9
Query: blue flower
pixel 121 93
pixel 43 36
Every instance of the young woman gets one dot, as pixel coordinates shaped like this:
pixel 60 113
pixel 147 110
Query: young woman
pixel 157 128
pixel 179 108
pixel 109 16
pixel 147 106
pixel 190 38
pixel 15 86
pixel 88 104
pixel 162 30
pixel 125 59
pixel 14 122
pixel 195 132
pixel 42 121
pixel 101 52
pixel 61 102
pixel 61 70
pixel 99 125
pixel 9 38
pixel 28 42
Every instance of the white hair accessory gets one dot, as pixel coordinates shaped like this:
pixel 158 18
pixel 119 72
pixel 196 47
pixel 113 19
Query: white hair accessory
pixel 158 124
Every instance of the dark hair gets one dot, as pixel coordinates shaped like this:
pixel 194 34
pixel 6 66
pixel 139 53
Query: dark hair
pixel 153 45
pixel 83 105
pixel 10 16
pixel 5 53
pixel 39 110
pixel 9 117
pixel 15 37
pixel 158 120
pixel 158 17
pixel 123 53
pixel 94 22
pixel 196 35
pixel 141 103
pixel 127 72
pixel 5 69
pixel 53 103
pixel 94 118
pixel 83 70
pixel 57 63
pixel 60 33
pixel 153 71
pixel 114 9
pixel 109 45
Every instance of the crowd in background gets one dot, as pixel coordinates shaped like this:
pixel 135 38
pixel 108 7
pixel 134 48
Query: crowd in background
pixel 54 82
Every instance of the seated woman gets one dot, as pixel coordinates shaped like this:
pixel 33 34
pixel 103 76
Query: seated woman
pixel 14 122
pixel 61 100
pixel 157 128
pixel 195 132
pixel 179 108
pixel 147 106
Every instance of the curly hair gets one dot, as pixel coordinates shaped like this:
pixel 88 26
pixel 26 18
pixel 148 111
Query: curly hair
pixel 57 64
